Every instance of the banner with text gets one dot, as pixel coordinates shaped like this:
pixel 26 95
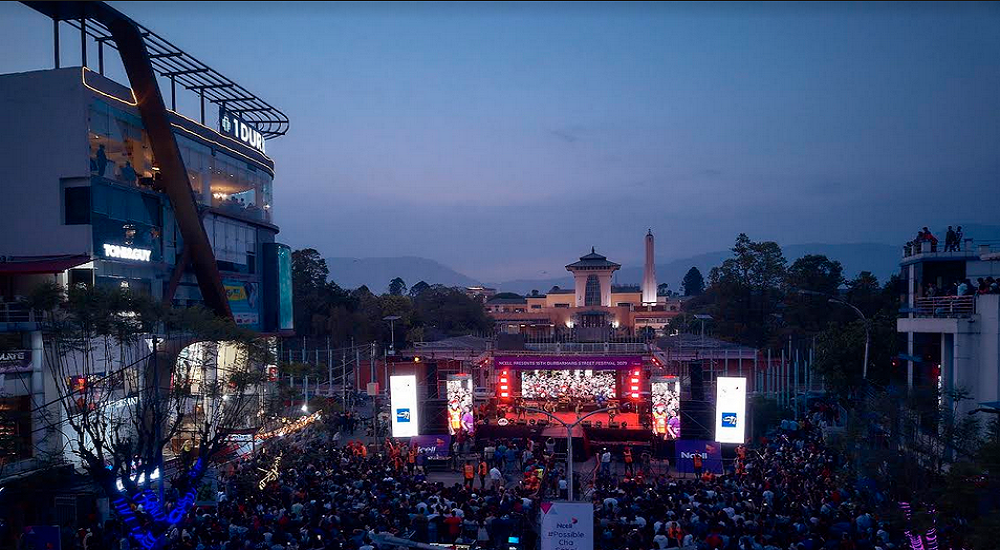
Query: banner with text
pixel 709 451
pixel 567 526
pixel 578 362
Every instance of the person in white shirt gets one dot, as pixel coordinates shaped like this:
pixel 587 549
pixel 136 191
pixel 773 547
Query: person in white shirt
pixel 661 541
pixel 606 462
pixel 496 477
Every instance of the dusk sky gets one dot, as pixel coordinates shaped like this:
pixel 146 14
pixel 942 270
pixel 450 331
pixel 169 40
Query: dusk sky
pixel 506 140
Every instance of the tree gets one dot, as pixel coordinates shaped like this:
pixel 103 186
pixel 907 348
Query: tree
pixel 809 312
pixel 416 289
pixel 694 283
pixel 663 289
pixel 397 287
pixel 507 296
pixel 447 311
pixel 132 376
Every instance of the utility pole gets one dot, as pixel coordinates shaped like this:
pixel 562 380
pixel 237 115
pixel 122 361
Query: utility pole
pixel 569 443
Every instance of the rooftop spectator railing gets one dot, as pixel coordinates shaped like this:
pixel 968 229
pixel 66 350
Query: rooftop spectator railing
pixel 967 248
pixel 947 307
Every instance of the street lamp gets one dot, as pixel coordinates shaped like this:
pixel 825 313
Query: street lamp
pixel 392 331
pixel 864 321
pixel 569 442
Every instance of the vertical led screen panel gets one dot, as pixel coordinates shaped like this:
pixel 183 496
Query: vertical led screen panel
pixel 730 409
pixel 403 401
pixel 666 392
pixel 460 415
pixel 285 288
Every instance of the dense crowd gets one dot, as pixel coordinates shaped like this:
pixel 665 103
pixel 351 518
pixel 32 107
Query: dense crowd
pixel 306 491
pixel 567 383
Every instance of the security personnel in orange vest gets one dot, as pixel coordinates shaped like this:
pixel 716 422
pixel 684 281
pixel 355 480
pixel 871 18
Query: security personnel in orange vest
pixel 483 471
pixel 629 469
pixel 696 463
pixel 470 475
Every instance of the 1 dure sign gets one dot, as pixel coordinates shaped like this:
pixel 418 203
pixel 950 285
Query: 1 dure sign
pixel 234 127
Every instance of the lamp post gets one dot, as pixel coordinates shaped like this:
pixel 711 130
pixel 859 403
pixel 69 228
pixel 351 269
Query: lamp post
pixel 569 442
pixel 864 321
pixel 392 331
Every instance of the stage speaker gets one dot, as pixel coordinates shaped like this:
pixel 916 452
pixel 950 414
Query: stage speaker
pixel 697 381
pixel 543 423
pixel 522 423
pixel 586 424
pixel 532 421
pixel 612 425
pixel 624 425
pixel 600 424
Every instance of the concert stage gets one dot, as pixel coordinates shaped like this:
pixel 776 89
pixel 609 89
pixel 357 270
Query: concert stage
pixel 622 420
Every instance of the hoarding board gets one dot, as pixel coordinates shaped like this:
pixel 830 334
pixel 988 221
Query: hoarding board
pixel 730 409
pixel 710 452
pixel 403 402
pixel 582 362
pixel 567 526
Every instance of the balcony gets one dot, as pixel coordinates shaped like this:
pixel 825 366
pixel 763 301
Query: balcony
pixel 945 307
pixel 968 249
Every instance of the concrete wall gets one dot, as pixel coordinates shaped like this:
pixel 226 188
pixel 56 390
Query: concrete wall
pixel 988 383
pixel 44 144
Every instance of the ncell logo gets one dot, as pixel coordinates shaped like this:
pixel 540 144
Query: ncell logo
pixel 728 420
pixel 402 415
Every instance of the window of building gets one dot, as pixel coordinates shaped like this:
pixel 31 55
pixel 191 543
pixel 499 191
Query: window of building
pixel 592 293
pixel 119 147
pixel 562 305
pixel 536 306
pixel 77 205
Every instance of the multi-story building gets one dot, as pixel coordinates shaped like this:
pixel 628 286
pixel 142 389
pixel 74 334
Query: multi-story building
pixel 107 185
pixel 952 340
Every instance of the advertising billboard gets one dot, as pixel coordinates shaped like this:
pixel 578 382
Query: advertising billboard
pixel 710 452
pixel 460 415
pixel 730 409
pixel 244 300
pixel 403 402
pixel 567 525
pixel 666 392
pixel 433 446
pixel 581 362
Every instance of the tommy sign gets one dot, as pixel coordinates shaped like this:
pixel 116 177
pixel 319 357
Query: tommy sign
pixel 234 127
pixel 126 252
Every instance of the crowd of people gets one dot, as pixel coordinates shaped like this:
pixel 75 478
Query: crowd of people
pixel 307 491
pixel 547 384
pixel 953 240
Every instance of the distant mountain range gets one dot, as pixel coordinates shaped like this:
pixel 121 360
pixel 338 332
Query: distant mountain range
pixel 881 259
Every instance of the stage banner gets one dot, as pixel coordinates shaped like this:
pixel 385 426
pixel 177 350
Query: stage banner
pixel 579 362
pixel 433 446
pixel 460 415
pixel 567 526
pixel 666 411
pixel 710 451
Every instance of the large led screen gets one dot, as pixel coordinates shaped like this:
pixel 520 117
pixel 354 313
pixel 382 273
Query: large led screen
pixel 730 409
pixel 460 415
pixel 585 385
pixel 403 401
pixel 666 392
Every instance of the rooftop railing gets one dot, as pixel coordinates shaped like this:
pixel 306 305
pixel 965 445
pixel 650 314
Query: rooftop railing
pixel 964 249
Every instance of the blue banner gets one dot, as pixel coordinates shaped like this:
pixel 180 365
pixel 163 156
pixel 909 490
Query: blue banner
pixel 710 451
pixel 433 446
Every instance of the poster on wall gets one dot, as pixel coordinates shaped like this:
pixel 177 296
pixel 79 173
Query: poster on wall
pixel 403 402
pixel 666 391
pixel 730 409
pixel 460 414
pixel 244 300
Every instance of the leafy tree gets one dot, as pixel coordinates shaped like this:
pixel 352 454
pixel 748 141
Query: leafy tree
pixel 397 287
pixel 812 280
pixel 447 311
pixel 507 296
pixel 416 289
pixel 694 283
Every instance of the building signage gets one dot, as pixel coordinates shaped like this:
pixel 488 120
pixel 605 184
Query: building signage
pixel 234 127
pixel 127 252
pixel 243 298
pixel 18 360
pixel 580 362
pixel 567 526
pixel 730 409
pixel 709 451
pixel 403 399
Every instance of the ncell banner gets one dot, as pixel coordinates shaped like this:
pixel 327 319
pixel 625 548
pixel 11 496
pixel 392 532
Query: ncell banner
pixel 581 362
pixel 730 409
pixel 433 446
pixel 567 526
pixel 403 402
pixel 709 451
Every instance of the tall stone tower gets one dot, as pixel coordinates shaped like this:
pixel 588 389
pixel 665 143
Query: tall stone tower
pixel 649 273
